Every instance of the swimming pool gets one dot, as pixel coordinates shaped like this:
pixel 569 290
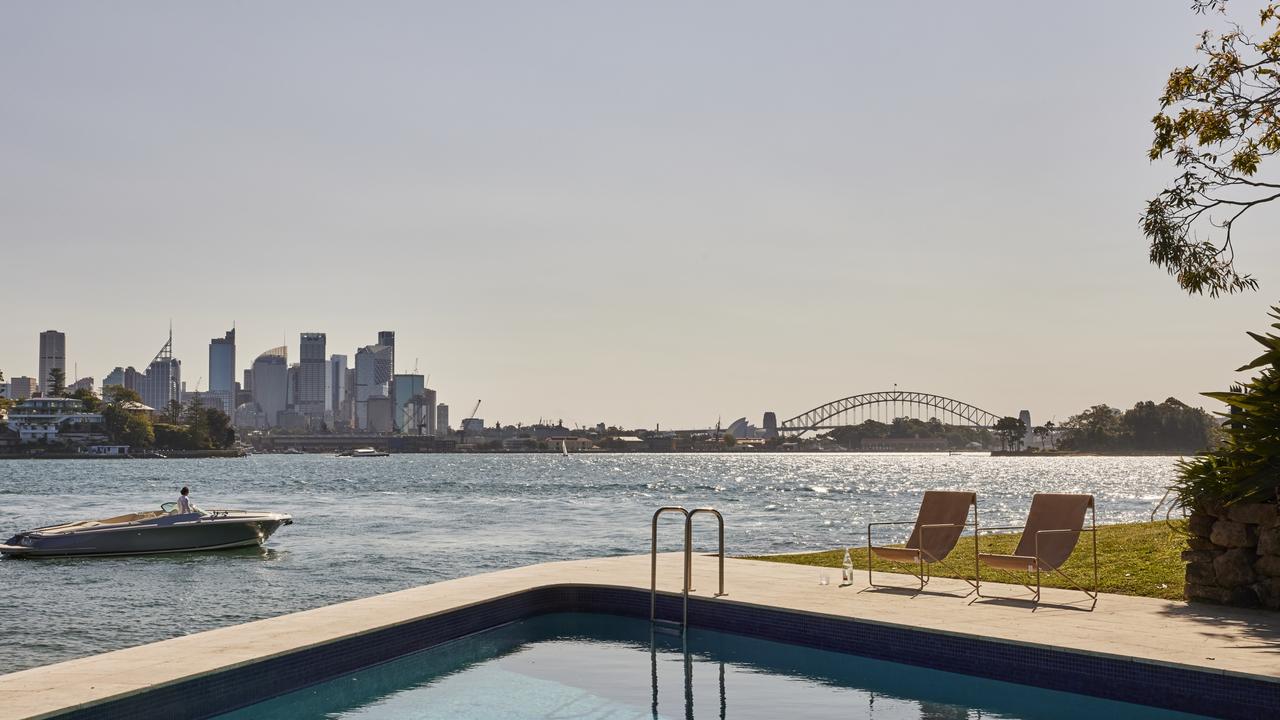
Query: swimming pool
pixel 579 665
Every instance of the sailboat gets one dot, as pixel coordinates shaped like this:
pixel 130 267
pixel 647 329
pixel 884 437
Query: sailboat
pixel 564 448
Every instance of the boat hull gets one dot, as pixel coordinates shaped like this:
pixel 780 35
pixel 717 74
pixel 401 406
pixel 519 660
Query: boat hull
pixel 188 533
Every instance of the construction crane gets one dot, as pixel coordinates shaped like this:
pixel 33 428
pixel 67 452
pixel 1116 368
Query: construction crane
pixel 462 432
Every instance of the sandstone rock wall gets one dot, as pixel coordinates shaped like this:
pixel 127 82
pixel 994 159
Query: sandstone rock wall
pixel 1234 555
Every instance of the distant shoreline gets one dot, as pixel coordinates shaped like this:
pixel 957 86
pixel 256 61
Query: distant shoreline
pixel 227 454
pixel 166 455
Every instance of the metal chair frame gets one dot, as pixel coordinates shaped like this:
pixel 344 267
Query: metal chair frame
pixel 924 574
pixel 1093 533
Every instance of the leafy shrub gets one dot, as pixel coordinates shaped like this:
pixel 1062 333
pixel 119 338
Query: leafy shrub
pixel 1245 467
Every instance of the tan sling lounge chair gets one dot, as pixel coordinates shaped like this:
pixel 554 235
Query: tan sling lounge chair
pixel 1053 529
pixel 943 517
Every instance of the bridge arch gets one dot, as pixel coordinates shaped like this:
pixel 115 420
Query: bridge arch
pixel 838 413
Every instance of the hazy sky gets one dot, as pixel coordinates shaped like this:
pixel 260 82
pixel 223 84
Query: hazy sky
pixel 629 212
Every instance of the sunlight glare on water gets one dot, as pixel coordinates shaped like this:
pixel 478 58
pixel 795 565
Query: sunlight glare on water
pixel 369 526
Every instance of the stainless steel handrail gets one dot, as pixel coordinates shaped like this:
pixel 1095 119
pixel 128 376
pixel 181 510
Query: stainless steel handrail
pixel 653 563
pixel 688 558
pixel 689 534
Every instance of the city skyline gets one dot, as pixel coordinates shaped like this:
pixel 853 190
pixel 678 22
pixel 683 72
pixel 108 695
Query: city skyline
pixel 719 228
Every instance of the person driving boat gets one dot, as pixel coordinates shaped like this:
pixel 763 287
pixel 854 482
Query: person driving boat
pixel 184 502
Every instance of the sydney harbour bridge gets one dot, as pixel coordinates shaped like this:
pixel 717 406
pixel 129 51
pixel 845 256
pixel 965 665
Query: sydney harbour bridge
pixel 885 406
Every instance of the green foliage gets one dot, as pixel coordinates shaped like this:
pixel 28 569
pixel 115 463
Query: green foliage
pixel 173 437
pixel 1011 431
pixel 91 402
pixel 851 436
pixel 1149 427
pixel 202 428
pixel 1098 428
pixel 1137 559
pixel 119 394
pixel 1245 467
pixel 127 428
pixel 57 382
pixel 221 433
pixel 171 413
pixel 197 422
pixel 1220 121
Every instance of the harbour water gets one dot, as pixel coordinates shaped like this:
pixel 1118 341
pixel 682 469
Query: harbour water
pixel 369 526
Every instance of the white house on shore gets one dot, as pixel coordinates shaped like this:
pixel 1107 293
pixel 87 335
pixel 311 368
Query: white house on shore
pixel 56 419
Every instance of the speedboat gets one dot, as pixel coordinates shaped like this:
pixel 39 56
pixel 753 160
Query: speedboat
pixel 364 452
pixel 148 532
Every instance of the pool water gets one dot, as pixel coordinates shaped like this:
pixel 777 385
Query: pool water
pixel 602 666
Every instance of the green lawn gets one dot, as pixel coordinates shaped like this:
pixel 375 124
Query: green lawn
pixel 1136 559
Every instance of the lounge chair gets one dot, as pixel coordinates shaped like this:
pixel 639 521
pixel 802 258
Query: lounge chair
pixel 1053 529
pixel 943 517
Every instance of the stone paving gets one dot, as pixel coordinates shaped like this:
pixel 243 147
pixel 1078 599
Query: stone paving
pixel 1209 638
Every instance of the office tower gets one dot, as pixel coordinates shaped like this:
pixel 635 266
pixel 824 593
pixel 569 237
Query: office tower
pixel 387 338
pixel 378 412
pixel 336 405
pixel 53 354
pixel 132 378
pixel 243 396
pixel 222 370
pixel 373 375
pixel 162 382
pixel 271 383
pixel 312 368
pixel 442 420
pixel 429 413
pixel 349 399
pixel 115 377
pixel 247 383
pixel 21 388
pixel 409 406
pixel 292 396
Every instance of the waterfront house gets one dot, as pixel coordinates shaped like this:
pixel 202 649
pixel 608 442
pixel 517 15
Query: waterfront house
pixel 55 420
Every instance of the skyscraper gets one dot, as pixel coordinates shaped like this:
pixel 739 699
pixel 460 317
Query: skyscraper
pixel 409 410
pixel 53 354
pixel 429 410
pixel 387 338
pixel 132 379
pixel 312 367
pixel 336 405
pixel 271 383
pixel 115 377
pixel 442 420
pixel 222 370
pixel 161 383
pixel 373 375
pixel 21 388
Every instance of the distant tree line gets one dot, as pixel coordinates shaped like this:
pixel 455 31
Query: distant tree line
pixel 851 436
pixel 1170 425
pixel 1148 427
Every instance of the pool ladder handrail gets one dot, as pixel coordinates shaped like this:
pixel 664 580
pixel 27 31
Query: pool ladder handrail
pixel 688 558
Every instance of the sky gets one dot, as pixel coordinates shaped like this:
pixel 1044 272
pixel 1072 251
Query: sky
pixel 635 213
